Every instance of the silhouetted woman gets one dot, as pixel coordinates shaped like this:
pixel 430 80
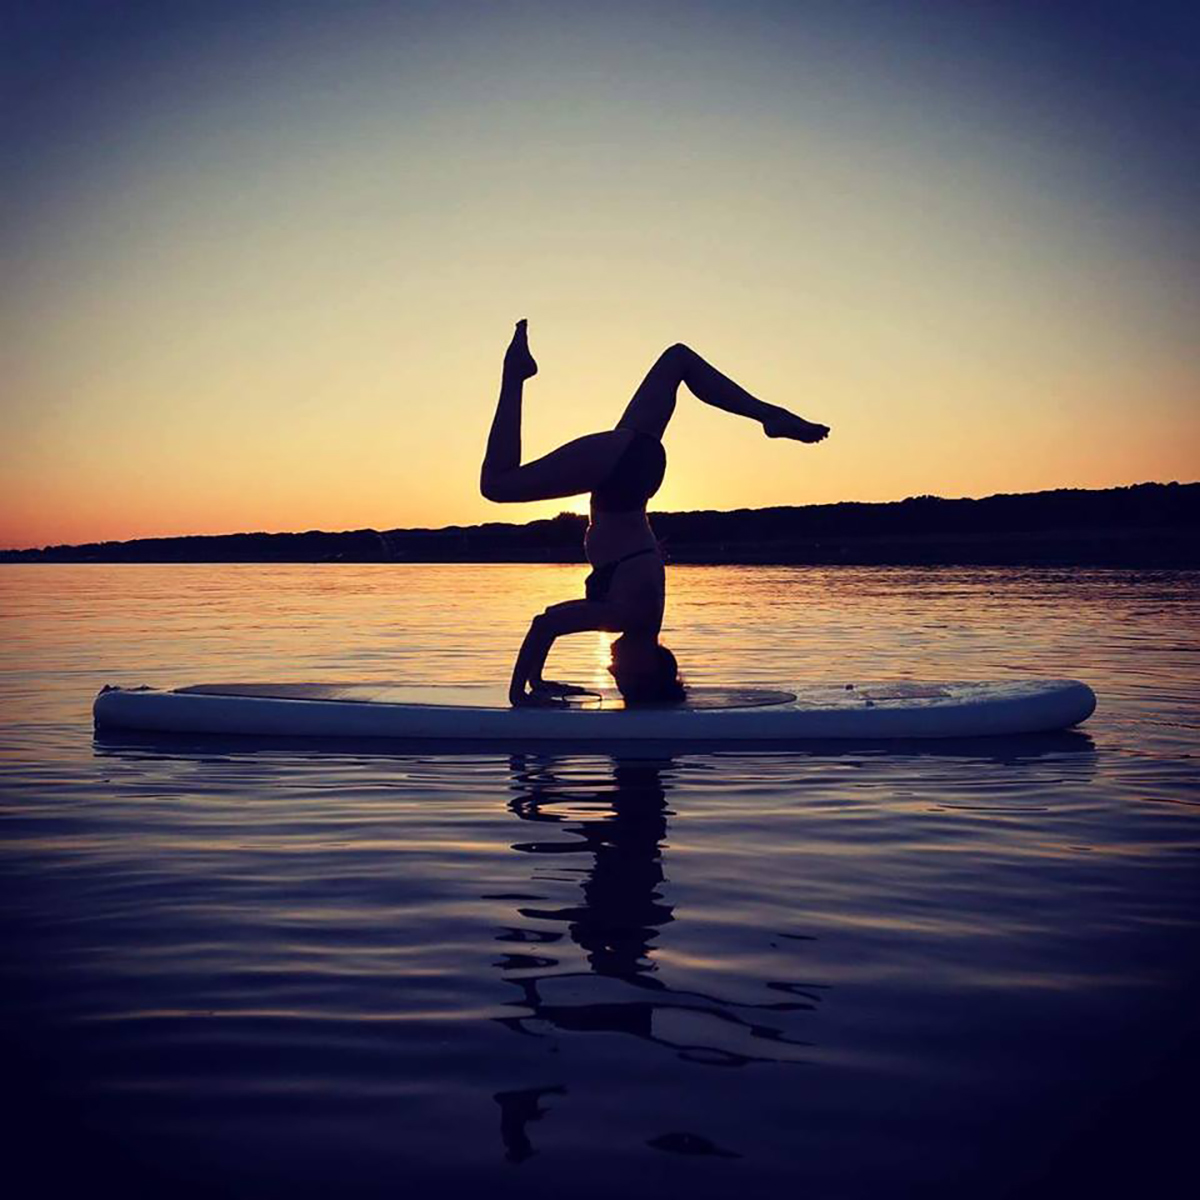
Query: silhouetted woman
pixel 622 468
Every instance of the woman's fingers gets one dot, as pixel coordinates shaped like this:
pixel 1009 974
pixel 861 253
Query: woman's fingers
pixel 554 687
pixel 539 699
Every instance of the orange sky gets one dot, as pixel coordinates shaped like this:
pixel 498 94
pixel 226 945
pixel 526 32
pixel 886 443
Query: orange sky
pixel 268 283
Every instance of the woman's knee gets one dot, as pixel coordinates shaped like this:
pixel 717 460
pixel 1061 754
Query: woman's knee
pixel 674 360
pixel 492 486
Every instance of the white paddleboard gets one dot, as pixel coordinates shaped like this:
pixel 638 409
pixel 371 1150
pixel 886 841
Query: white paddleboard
pixel 466 713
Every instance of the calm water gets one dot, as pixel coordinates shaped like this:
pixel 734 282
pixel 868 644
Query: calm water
pixel 878 971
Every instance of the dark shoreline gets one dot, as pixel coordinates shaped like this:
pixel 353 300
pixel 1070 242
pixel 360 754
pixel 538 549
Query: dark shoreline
pixel 1148 525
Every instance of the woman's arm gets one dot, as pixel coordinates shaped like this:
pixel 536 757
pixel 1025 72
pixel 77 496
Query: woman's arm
pixel 575 616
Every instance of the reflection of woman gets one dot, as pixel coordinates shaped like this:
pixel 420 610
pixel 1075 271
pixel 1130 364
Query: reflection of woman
pixel 621 468
pixel 621 908
pixel 617 918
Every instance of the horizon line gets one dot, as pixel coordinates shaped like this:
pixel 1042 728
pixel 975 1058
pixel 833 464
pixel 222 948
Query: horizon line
pixel 581 517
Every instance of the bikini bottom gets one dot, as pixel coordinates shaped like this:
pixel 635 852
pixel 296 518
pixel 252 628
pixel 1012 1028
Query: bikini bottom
pixel 599 582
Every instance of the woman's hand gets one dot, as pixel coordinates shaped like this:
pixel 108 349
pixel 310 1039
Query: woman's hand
pixel 537 699
pixel 547 693
pixel 558 689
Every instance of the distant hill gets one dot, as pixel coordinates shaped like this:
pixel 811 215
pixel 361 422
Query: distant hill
pixel 1146 525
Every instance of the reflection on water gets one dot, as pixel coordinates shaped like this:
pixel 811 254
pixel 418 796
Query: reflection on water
pixel 272 968
pixel 517 1110
pixel 619 831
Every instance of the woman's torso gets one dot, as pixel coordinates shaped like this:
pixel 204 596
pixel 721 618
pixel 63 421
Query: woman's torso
pixel 637 586
pixel 614 535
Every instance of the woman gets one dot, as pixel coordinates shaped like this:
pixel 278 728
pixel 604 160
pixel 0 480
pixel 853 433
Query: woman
pixel 622 468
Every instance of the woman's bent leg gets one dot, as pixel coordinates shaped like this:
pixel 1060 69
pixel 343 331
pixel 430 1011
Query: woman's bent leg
pixel 504 441
pixel 571 470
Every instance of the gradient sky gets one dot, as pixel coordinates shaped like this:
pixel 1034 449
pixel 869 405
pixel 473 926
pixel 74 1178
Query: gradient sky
pixel 261 260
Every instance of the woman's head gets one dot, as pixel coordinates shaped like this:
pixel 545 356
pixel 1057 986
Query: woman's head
pixel 645 671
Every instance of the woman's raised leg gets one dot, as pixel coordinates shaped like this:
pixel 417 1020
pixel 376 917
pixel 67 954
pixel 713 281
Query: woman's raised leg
pixel 571 470
pixel 653 403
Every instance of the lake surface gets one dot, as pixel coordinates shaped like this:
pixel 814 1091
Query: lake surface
pixel 862 971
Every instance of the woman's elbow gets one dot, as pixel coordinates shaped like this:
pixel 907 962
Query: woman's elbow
pixel 544 629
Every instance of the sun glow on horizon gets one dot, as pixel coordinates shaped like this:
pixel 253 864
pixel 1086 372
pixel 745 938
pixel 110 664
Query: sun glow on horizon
pixel 268 284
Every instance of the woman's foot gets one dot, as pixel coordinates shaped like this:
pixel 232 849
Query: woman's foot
pixel 783 424
pixel 517 359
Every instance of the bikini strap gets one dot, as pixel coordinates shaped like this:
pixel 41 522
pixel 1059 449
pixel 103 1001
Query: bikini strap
pixel 616 562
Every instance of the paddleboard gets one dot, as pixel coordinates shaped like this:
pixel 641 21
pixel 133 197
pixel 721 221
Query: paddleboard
pixel 466 713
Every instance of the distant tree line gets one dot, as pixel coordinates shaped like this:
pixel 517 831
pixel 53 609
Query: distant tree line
pixel 1146 525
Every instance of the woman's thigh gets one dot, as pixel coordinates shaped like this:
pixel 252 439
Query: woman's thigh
pixel 571 470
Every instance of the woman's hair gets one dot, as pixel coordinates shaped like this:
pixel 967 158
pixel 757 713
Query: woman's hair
pixel 664 686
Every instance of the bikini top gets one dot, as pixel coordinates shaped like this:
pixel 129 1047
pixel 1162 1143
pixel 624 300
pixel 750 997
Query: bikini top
pixel 635 476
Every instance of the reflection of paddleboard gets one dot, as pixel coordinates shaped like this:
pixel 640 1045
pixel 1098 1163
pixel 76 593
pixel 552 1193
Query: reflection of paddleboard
pixel 482 713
